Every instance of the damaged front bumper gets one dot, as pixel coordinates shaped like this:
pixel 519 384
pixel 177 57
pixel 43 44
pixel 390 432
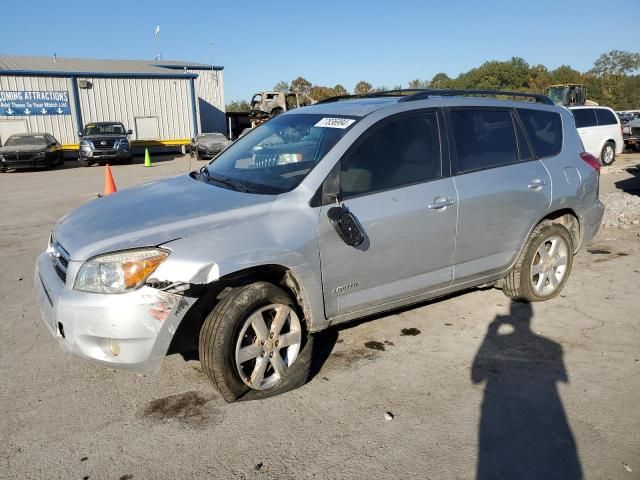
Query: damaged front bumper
pixel 130 331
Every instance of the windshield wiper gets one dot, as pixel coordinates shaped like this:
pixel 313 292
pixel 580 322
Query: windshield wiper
pixel 227 181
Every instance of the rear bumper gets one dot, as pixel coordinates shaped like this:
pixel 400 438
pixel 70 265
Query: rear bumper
pixel 591 221
pixel 138 325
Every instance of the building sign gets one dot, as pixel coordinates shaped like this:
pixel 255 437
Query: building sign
pixel 30 102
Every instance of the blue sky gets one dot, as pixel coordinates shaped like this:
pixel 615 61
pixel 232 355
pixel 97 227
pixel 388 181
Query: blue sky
pixel 328 42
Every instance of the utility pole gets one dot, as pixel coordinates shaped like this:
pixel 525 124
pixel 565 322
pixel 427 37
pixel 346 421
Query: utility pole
pixel 158 54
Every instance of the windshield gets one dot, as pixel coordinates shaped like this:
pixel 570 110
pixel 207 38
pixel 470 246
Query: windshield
pixel 25 140
pixel 276 156
pixel 558 95
pixel 107 129
pixel 211 136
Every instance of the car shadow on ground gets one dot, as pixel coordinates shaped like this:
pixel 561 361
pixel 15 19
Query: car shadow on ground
pixel 523 430
pixel 631 185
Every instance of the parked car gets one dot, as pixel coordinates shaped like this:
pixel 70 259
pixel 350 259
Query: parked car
pixel 103 142
pixel 600 131
pixel 30 150
pixel 208 145
pixel 631 134
pixel 346 209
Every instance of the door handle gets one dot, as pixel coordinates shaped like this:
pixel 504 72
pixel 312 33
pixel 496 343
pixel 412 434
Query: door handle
pixel 439 203
pixel 536 184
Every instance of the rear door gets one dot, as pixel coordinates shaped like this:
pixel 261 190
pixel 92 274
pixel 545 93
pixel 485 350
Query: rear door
pixel 392 181
pixel 587 126
pixel 502 189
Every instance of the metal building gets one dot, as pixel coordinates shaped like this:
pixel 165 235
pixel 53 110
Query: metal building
pixel 163 102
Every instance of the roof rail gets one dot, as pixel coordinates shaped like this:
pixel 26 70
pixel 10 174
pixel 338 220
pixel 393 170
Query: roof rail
pixel 426 93
pixel 411 94
pixel 384 93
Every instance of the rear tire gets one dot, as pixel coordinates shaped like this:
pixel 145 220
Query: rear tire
pixel 228 335
pixel 608 154
pixel 543 267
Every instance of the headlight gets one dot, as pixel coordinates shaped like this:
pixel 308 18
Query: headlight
pixel 118 272
pixel 124 144
pixel 285 158
pixel 39 154
pixel 626 130
pixel 85 143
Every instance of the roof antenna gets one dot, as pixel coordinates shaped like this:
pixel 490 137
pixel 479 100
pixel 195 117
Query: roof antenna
pixel 55 59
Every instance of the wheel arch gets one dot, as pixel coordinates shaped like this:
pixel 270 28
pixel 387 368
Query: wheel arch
pixel 186 337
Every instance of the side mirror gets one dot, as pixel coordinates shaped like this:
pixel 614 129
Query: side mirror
pixel 129 132
pixel 347 226
pixel 79 134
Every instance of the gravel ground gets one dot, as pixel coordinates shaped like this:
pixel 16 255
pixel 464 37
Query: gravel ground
pixel 427 392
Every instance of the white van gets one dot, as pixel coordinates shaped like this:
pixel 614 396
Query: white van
pixel 600 131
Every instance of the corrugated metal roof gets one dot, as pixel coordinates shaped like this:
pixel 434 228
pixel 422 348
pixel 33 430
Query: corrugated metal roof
pixel 11 63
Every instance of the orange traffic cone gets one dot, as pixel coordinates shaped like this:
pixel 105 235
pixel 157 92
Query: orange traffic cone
pixel 109 184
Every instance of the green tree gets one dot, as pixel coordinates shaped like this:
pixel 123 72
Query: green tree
pixel 441 80
pixel 362 88
pixel 319 93
pixel 281 86
pixel 417 84
pixel 238 106
pixel 339 90
pixel 616 62
pixel 301 85
pixel 565 74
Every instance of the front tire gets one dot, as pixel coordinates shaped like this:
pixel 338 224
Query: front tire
pixel 608 154
pixel 254 345
pixel 84 162
pixel 543 267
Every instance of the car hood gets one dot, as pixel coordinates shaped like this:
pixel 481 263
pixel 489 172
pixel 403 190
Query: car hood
pixel 103 137
pixel 23 149
pixel 152 214
pixel 633 123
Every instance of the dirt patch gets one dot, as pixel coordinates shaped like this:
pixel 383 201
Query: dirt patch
pixel 189 408
pixel 599 251
pixel 349 358
pixel 409 332
pixel 373 345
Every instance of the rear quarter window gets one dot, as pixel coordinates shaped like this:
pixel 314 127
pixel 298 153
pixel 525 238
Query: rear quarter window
pixel 585 117
pixel 544 130
pixel 605 117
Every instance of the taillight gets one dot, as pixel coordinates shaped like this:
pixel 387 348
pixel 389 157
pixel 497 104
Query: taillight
pixel 591 160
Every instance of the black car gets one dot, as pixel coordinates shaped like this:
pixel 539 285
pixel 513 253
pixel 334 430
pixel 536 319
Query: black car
pixel 103 142
pixel 30 150
pixel 208 145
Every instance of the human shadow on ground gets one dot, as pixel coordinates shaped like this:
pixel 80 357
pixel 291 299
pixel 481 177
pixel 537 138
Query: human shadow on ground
pixel 524 433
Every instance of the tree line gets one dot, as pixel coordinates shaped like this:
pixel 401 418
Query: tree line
pixel 613 81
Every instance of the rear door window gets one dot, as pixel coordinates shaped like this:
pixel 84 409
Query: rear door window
pixel 483 138
pixel 605 117
pixel 544 130
pixel 585 117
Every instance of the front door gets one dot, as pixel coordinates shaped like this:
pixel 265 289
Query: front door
pixel 392 181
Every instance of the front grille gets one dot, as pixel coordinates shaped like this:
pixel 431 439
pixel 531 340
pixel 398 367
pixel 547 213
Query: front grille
pixel 60 259
pixel 266 160
pixel 635 131
pixel 106 144
pixel 14 157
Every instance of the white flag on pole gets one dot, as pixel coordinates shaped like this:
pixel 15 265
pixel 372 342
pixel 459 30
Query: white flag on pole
pixel 157 29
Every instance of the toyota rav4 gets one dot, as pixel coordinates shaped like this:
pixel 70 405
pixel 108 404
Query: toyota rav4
pixel 327 213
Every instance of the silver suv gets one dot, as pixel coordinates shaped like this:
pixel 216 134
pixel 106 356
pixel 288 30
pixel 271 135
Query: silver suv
pixel 339 210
